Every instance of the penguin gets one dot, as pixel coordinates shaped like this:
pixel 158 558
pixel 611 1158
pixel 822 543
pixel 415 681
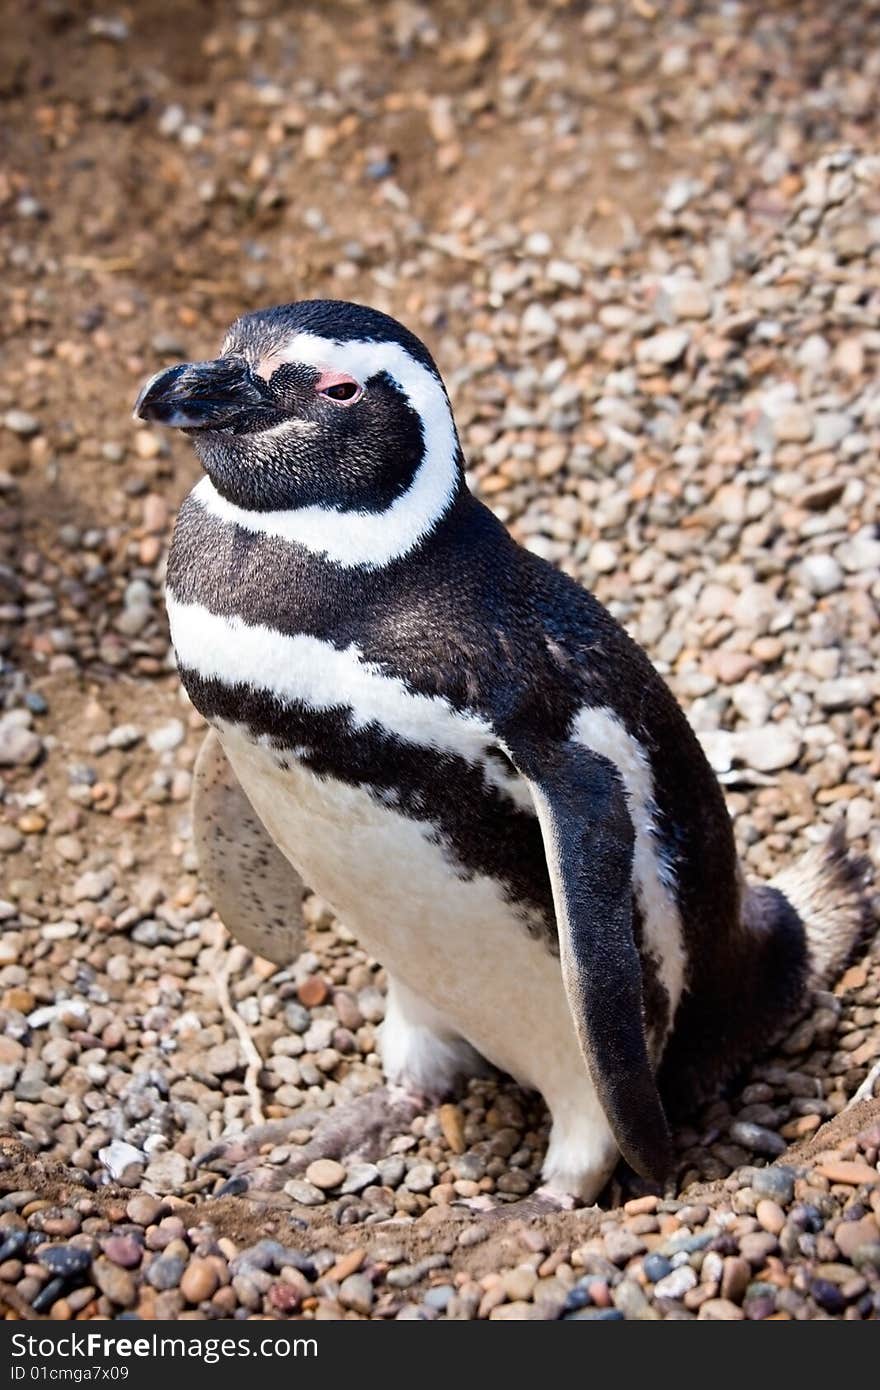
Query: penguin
pixel 459 748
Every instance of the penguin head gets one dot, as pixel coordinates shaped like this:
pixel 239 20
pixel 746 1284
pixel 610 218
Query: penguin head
pixel 319 403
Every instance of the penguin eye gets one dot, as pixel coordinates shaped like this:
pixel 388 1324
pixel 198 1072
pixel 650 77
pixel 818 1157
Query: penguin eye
pixel 342 390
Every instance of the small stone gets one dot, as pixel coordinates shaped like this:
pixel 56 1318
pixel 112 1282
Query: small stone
pixel 867 1256
pixel 346 1265
pixel 691 301
pixel 770 1215
pixel 64 1261
pixel 676 1284
pixel 849 692
pixel 767 750
pixel 776 1181
pixel 313 991
pixel 168 1171
pixel 19 745
pixel 757 1138
pixel 124 736
pixel 124 1251
pixel 756 1246
pixel 70 848
pixel 850 1236
pixel 421 1177
pixel 735 1278
pixel 167 736
pixel 539 321
pixel 596 1315
pixel 222 1059
pixel 828 1296
pixel 452 1125
pixel 199 1281
pixel 732 667
pixel 115 1283
pixel 720 1310
pixel 165 1272
pixel 143 1209
pixel 519 1283
pixel 356 1293
pixel 120 1158
pixel 325 1173
pixel 94 884
pixel 822 494
pixel 656 1267
pixel 21 422
pixel 621 1245
pixel 793 426
pixel 664 348
pixel 317 141
pixel 359 1176
pixel 821 574
pixel 853 1172
pixel 631 1300
pixel 11 840
pixel 439 1297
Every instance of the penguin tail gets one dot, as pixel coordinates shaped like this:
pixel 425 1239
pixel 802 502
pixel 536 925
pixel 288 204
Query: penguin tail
pixel 828 889
pixel 796 934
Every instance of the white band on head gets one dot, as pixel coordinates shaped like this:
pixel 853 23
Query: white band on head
pixel 354 538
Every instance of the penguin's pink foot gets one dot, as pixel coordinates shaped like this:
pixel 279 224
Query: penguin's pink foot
pixel 259 1162
pixel 542 1202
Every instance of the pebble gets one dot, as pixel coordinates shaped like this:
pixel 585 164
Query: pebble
pixel 849 1171
pixel 165 1272
pixel 821 574
pixel 735 1278
pixel 720 1310
pixel 452 1125
pixel 143 1209
pixel 123 1250
pixel 776 1181
pixel 199 1281
pixel 167 737
pixel 19 745
pixel 167 1171
pixel 676 1284
pixel 325 1173
pixel 757 1138
pixel 305 1193
pixel 852 1236
pixel 664 348
pixel 116 1283
pixel 771 1216
pixel 846 693
pixel 356 1292
pixel 621 1245
pixel 421 1177
pixel 21 422
pixel 358 1176
pixel 65 1261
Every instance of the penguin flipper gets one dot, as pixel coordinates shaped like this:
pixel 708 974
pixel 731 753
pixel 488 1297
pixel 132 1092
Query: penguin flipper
pixel 588 840
pixel 256 892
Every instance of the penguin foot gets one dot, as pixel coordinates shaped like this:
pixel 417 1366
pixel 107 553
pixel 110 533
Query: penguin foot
pixel 259 1163
pixel 542 1202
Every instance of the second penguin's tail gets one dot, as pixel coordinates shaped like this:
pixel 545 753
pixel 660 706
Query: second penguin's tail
pixel 827 888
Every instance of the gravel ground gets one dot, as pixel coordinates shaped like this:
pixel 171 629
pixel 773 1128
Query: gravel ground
pixel 644 244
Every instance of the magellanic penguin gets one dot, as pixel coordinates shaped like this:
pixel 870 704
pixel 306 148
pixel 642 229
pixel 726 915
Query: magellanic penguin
pixel 457 747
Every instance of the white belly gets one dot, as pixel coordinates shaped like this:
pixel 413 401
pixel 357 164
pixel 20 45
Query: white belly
pixel 457 943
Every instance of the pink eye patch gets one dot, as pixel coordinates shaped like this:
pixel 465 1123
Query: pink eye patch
pixel 338 387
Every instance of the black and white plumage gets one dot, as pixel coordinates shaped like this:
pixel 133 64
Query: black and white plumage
pixel 460 749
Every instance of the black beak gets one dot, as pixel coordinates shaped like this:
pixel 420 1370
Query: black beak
pixel 203 395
